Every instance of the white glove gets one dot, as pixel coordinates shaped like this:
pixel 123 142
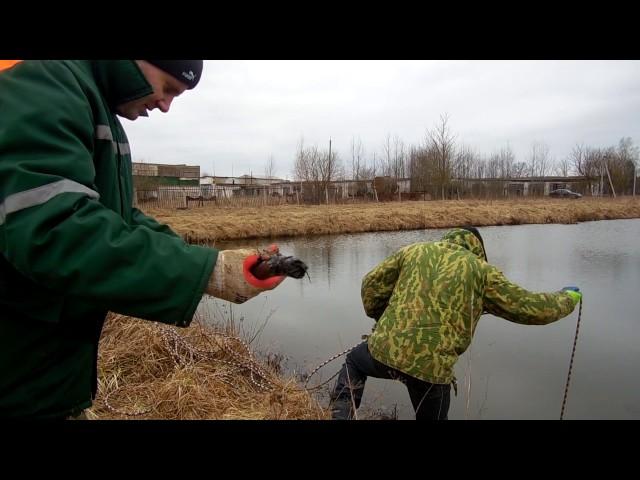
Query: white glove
pixel 232 279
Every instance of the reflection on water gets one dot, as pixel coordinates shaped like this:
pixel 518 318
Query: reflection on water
pixel 514 371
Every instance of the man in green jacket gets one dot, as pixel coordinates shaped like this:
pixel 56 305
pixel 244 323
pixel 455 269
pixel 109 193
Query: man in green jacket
pixel 427 299
pixel 73 247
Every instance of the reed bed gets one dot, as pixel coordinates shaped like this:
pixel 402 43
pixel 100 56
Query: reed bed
pixel 148 370
pixel 210 224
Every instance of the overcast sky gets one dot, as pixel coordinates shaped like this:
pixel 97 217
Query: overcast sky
pixel 242 112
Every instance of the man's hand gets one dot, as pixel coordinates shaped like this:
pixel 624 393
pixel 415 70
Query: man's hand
pixel 232 279
pixel 574 293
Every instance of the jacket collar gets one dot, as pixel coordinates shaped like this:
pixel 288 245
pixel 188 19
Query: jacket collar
pixel 120 81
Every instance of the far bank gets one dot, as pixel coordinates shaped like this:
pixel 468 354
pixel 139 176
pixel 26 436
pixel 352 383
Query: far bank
pixel 211 224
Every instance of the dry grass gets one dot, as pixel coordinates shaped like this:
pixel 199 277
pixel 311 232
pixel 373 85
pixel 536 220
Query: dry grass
pixel 210 224
pixel 154 371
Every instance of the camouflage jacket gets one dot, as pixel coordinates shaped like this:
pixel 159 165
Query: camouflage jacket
pixel 427 299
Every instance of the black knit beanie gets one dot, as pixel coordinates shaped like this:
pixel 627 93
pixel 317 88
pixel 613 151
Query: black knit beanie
pixel 187 71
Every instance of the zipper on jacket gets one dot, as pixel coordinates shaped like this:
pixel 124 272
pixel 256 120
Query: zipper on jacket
pixel 119 161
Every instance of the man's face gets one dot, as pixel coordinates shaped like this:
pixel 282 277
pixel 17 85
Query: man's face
pixel 165 89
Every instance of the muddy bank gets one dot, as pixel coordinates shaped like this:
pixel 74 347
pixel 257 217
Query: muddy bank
pixel 209 224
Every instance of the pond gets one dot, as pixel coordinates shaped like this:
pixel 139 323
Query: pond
pixel 510 371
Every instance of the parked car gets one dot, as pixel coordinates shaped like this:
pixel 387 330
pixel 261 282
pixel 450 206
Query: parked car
pixel 564 193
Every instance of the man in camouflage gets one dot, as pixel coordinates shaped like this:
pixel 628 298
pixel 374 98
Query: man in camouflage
pixel 427 299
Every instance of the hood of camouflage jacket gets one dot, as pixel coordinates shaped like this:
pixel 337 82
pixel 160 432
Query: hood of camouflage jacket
pixel 466 239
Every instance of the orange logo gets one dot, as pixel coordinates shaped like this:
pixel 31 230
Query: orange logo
pixel 6 64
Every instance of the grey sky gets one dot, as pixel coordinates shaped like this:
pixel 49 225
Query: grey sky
pixel 244 111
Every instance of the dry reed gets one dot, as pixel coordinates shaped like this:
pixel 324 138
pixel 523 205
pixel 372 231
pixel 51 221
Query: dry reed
pixel 211 224
pixel 153 371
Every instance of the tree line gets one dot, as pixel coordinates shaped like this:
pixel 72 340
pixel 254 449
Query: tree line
pixel 440 160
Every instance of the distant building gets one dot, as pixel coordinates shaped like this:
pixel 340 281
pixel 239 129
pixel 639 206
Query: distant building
pixel 523 186
pixel 245 185
pixel 149 175
pixel 241 180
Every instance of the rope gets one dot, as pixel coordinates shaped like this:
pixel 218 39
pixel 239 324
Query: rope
pixel 327 361
pixel 573 352
pixel 247 362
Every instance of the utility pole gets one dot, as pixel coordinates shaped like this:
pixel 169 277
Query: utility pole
pixel 606 166
pixel 326 186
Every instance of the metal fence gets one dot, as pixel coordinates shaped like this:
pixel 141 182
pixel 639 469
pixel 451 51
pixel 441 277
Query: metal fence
pixel 189 197
pixel 183 197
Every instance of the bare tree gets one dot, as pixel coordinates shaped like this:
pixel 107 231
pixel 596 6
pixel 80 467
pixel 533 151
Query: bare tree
pixel 368 170
pixel 621 162
pixel 301 166
pixel 506 159
pixel 399 155
pixel 329 167
pixel 386 159
pixel 563 167
pixel 499 166
pixel 415 169
pixel 270 168
pixel 519 170
pixel 464 165
pixel 443 144
pixel 358 162
pixel 465 162
pixel 493 166
pixel 587 163
pixel 630 155
pixel 339 172
pixel 577 158
pixel 394 159
pixel 373 166
pixel 539 160
pixel 422 168
pixel 318 168
pixel 480 170
pixel 627 150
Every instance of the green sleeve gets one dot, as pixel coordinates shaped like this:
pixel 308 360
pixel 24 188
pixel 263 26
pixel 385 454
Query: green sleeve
pixel 511 302
pixel 378 285
pixel 139 218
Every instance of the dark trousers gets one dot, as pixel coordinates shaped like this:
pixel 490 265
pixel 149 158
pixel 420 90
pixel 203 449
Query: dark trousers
pixel 430 401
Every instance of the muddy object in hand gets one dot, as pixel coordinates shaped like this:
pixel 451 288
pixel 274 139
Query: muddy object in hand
pixel 279 265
